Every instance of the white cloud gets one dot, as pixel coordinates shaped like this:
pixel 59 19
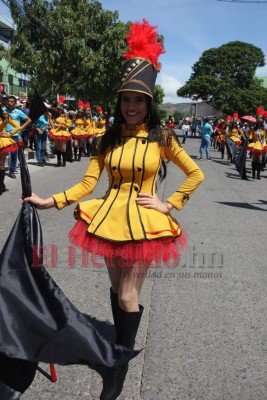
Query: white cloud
pixel 170 84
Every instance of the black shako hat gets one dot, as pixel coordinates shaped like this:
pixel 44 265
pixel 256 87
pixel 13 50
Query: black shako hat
pixel 140 70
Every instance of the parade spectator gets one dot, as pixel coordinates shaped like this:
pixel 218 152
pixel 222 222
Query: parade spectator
pixel 206 132
pixel 130 221
pixel 170 122
pixel 40 136
pixel 7 143
pixel 19 117
pixel 185 130
pixel 193 127
pixel 26 132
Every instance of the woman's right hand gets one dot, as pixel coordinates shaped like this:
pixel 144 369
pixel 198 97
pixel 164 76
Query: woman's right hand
pixel 40 203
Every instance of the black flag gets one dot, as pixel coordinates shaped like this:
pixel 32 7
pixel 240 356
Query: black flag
pixel 231 146
pixel 240 159
pixel 37 108
pixel 37 322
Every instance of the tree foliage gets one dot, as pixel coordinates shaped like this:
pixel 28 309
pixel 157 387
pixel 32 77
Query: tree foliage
pixel 178 115
pixel 225 78
pixel 68 46
pixel 158 95
pixel 162 114
pixel 3 53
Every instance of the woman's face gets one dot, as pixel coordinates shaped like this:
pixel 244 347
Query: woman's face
pixel 133 108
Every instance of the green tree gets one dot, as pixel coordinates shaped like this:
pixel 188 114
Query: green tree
pixel 225 78
pixel 162 114
pixel 3 53
pixel 158 95
pixel 178 115
pixel 70 47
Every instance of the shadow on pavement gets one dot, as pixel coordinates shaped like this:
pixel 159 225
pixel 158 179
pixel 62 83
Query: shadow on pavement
pixel 241 205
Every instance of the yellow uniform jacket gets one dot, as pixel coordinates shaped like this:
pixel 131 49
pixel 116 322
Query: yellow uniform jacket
pixel 258 141
pixel 61 125
pixel 89 126
pixel 132 167
pixel 79 131
pixel 235 134
pixel 6 138
pixel 100 126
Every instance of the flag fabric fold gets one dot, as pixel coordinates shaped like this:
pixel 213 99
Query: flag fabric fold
pixel 37 321
pixel 37 108
pixel 240 159
pixel 231 146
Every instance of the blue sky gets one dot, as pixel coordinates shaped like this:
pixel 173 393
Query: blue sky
pixel 191 27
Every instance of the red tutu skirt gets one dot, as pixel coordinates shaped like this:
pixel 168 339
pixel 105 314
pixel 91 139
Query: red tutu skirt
pixel 257 151
pixel 152 253
pixel 61 138
pixel 9 149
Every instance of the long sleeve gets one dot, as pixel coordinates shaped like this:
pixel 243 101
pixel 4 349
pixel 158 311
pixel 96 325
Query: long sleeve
pixel 15 125
pixel 85 187
pixel 194 176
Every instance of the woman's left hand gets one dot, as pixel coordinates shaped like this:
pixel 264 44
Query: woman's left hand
pixel 152 201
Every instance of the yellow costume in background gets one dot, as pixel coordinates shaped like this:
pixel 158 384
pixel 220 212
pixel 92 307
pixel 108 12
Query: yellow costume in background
pixel 89 126
pixel 258 141
pixel 236 134
pixel 60 130
pixel 79 131
pixel 100 126
pixel 7 144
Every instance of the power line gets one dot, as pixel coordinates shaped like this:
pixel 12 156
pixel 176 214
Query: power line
pixel 5 2
pixel 32 20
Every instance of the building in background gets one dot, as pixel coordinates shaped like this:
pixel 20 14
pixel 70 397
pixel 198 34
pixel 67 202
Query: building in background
pixel 11 81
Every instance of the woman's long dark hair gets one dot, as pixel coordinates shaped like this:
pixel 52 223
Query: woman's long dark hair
pixel 2 116
pixel 113 134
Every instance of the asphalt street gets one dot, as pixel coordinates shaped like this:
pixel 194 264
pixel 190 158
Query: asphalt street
pixel 204 328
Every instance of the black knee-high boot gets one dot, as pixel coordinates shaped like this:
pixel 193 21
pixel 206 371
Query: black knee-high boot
pixel 2 178
pixel 58 158
pixel 117 313
pixel 126 324
pixel 64 156
pixel 258 170
pixel 254 165
pixel 222 150
pixel 75 153
pixel 88 149
pixel 80 153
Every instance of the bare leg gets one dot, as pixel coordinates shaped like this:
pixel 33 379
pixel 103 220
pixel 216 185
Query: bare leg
pixel 127 282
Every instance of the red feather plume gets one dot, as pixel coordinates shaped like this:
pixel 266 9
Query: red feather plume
pixel 143 42
pixel 235 115
pixel 99 109
pixel 87 105
pixel 229 118
pixel 80 104
pixel 61 99
pixel 264 114
pixel 259 111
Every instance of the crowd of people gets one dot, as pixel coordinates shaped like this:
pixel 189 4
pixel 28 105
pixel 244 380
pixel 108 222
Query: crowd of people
pixel 216 133
pixel 58 133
